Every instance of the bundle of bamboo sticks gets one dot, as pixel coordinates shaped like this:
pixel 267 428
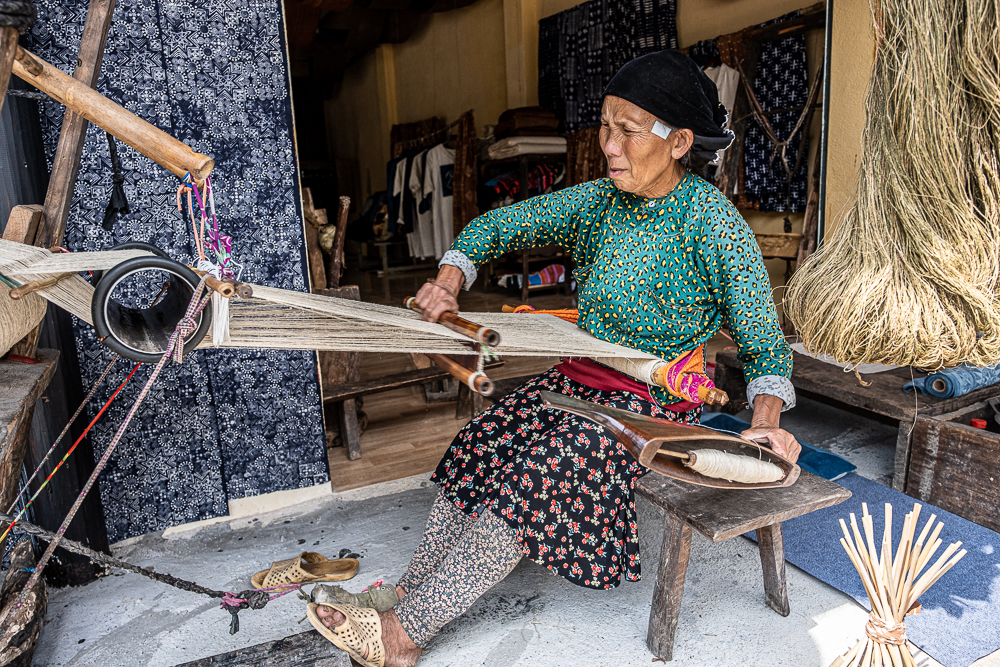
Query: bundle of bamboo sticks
pixel 893 584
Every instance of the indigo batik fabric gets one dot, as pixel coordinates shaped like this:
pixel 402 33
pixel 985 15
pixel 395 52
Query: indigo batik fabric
pixel 581 48
pixel 225 424
pixel 781 82
pixel 559 480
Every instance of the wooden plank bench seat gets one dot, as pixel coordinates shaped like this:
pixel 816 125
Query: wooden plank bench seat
pixel 720 514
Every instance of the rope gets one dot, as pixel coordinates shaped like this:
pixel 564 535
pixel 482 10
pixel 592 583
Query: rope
pixel 175 351
pixel 723 465
pixel 17 14
pixel 884 633
pixel 28 94
pixel 231 602
pixel 118 203
pixel 65 430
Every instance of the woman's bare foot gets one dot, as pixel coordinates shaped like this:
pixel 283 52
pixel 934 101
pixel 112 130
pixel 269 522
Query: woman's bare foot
pixel 399 650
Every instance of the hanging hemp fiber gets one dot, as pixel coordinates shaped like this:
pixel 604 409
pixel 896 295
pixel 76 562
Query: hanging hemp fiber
pixel 910 276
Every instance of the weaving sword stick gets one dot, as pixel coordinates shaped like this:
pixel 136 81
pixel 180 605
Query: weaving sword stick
pixel 478 333
pixel 693 454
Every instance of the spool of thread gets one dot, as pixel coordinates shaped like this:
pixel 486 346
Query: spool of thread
pixel 978 423
pixel 723 465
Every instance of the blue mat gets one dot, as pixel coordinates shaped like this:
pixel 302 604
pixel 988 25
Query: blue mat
pixel 814 460
pixel 960 621
pixel 956 381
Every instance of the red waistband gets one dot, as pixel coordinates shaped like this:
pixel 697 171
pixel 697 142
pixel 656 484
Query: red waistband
pixel 598 376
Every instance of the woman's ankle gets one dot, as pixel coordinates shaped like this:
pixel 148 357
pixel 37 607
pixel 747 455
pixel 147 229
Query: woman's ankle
pixel 400 591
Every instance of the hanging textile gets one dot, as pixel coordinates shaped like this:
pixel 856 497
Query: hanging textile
pixel 464 203
pixel 585 160
pixel 226 424
pixel 781 82
pixel 580 49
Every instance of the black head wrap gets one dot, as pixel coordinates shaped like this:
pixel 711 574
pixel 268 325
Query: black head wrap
pixel 672 87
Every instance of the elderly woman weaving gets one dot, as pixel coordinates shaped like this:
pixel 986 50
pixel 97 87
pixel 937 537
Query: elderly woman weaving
pixel 665 261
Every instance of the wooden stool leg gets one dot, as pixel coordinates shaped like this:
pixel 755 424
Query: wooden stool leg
pixel 669 588
pixel 772 558
pixel 350 433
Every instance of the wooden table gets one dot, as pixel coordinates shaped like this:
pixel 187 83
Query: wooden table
pixel 720 514
pixel 830 384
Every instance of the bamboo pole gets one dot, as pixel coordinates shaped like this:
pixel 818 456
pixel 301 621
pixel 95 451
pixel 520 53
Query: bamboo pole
pixel 144 137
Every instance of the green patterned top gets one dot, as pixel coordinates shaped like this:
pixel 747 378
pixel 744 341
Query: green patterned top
pixel 658 275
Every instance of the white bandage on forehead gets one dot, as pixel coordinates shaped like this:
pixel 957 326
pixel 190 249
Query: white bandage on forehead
pixel 661 130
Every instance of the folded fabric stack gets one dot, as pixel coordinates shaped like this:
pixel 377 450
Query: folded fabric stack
pixel 515 146
pixel 956 381
pixel 526 121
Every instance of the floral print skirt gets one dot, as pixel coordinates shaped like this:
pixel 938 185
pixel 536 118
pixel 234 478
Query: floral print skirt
pixel 562 483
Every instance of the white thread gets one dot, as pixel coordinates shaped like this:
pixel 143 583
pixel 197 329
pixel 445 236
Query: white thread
pixel 723 465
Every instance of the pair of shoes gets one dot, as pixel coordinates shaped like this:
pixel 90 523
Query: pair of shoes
pixel 379 596
pixel 360 634
pixel 306 568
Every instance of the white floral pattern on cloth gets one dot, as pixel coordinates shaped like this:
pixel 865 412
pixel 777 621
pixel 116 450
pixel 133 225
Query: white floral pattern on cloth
pixel 456 258
pixel 225 424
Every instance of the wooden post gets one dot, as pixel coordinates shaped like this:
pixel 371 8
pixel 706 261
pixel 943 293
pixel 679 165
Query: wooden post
pixel 772 557
pixel 669 588
pixel 22 226
pixel 306 648
pixel 8 47
pixel 66 162
pixel 338 368
pixel 20 635
pixel 337 251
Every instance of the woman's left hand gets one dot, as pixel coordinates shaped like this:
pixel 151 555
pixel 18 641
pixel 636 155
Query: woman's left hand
pixel 781 441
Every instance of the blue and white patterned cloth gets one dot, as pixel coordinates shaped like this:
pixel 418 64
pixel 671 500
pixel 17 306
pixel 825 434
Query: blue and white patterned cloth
pixel 957 381
pixel 225 424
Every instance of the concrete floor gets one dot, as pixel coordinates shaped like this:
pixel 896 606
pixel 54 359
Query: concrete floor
pixel 531 618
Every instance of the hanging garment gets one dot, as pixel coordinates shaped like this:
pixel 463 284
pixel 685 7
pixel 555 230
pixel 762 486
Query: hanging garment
pixel 225 424
pixel 727 80
pixel 421 240
pixel 781 82
pixel 395 169
pixel 439 184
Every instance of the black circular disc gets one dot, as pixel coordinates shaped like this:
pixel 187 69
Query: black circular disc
pixel 142 334
pixel 130 245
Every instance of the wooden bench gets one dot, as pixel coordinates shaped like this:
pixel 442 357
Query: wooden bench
pixel 828 383
pixel 334 398
pixel 720 514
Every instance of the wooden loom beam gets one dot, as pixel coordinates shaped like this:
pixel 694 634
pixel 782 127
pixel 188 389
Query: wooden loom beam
pixel 151 141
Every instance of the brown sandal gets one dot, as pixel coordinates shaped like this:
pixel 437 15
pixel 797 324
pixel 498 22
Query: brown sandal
pixel 360 634
pixel 307 568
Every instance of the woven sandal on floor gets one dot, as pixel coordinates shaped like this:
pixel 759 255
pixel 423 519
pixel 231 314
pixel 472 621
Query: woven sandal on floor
pixel 360 635
pixel 378 596
pixel 309 567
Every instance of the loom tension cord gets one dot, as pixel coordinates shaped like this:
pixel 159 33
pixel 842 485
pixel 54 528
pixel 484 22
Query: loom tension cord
pixel 174 351
pixel 65 430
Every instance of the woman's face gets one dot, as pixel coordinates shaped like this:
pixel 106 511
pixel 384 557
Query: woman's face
pixel 638 160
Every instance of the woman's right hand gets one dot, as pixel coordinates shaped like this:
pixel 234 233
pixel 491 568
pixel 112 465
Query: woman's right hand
pixel 440 296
